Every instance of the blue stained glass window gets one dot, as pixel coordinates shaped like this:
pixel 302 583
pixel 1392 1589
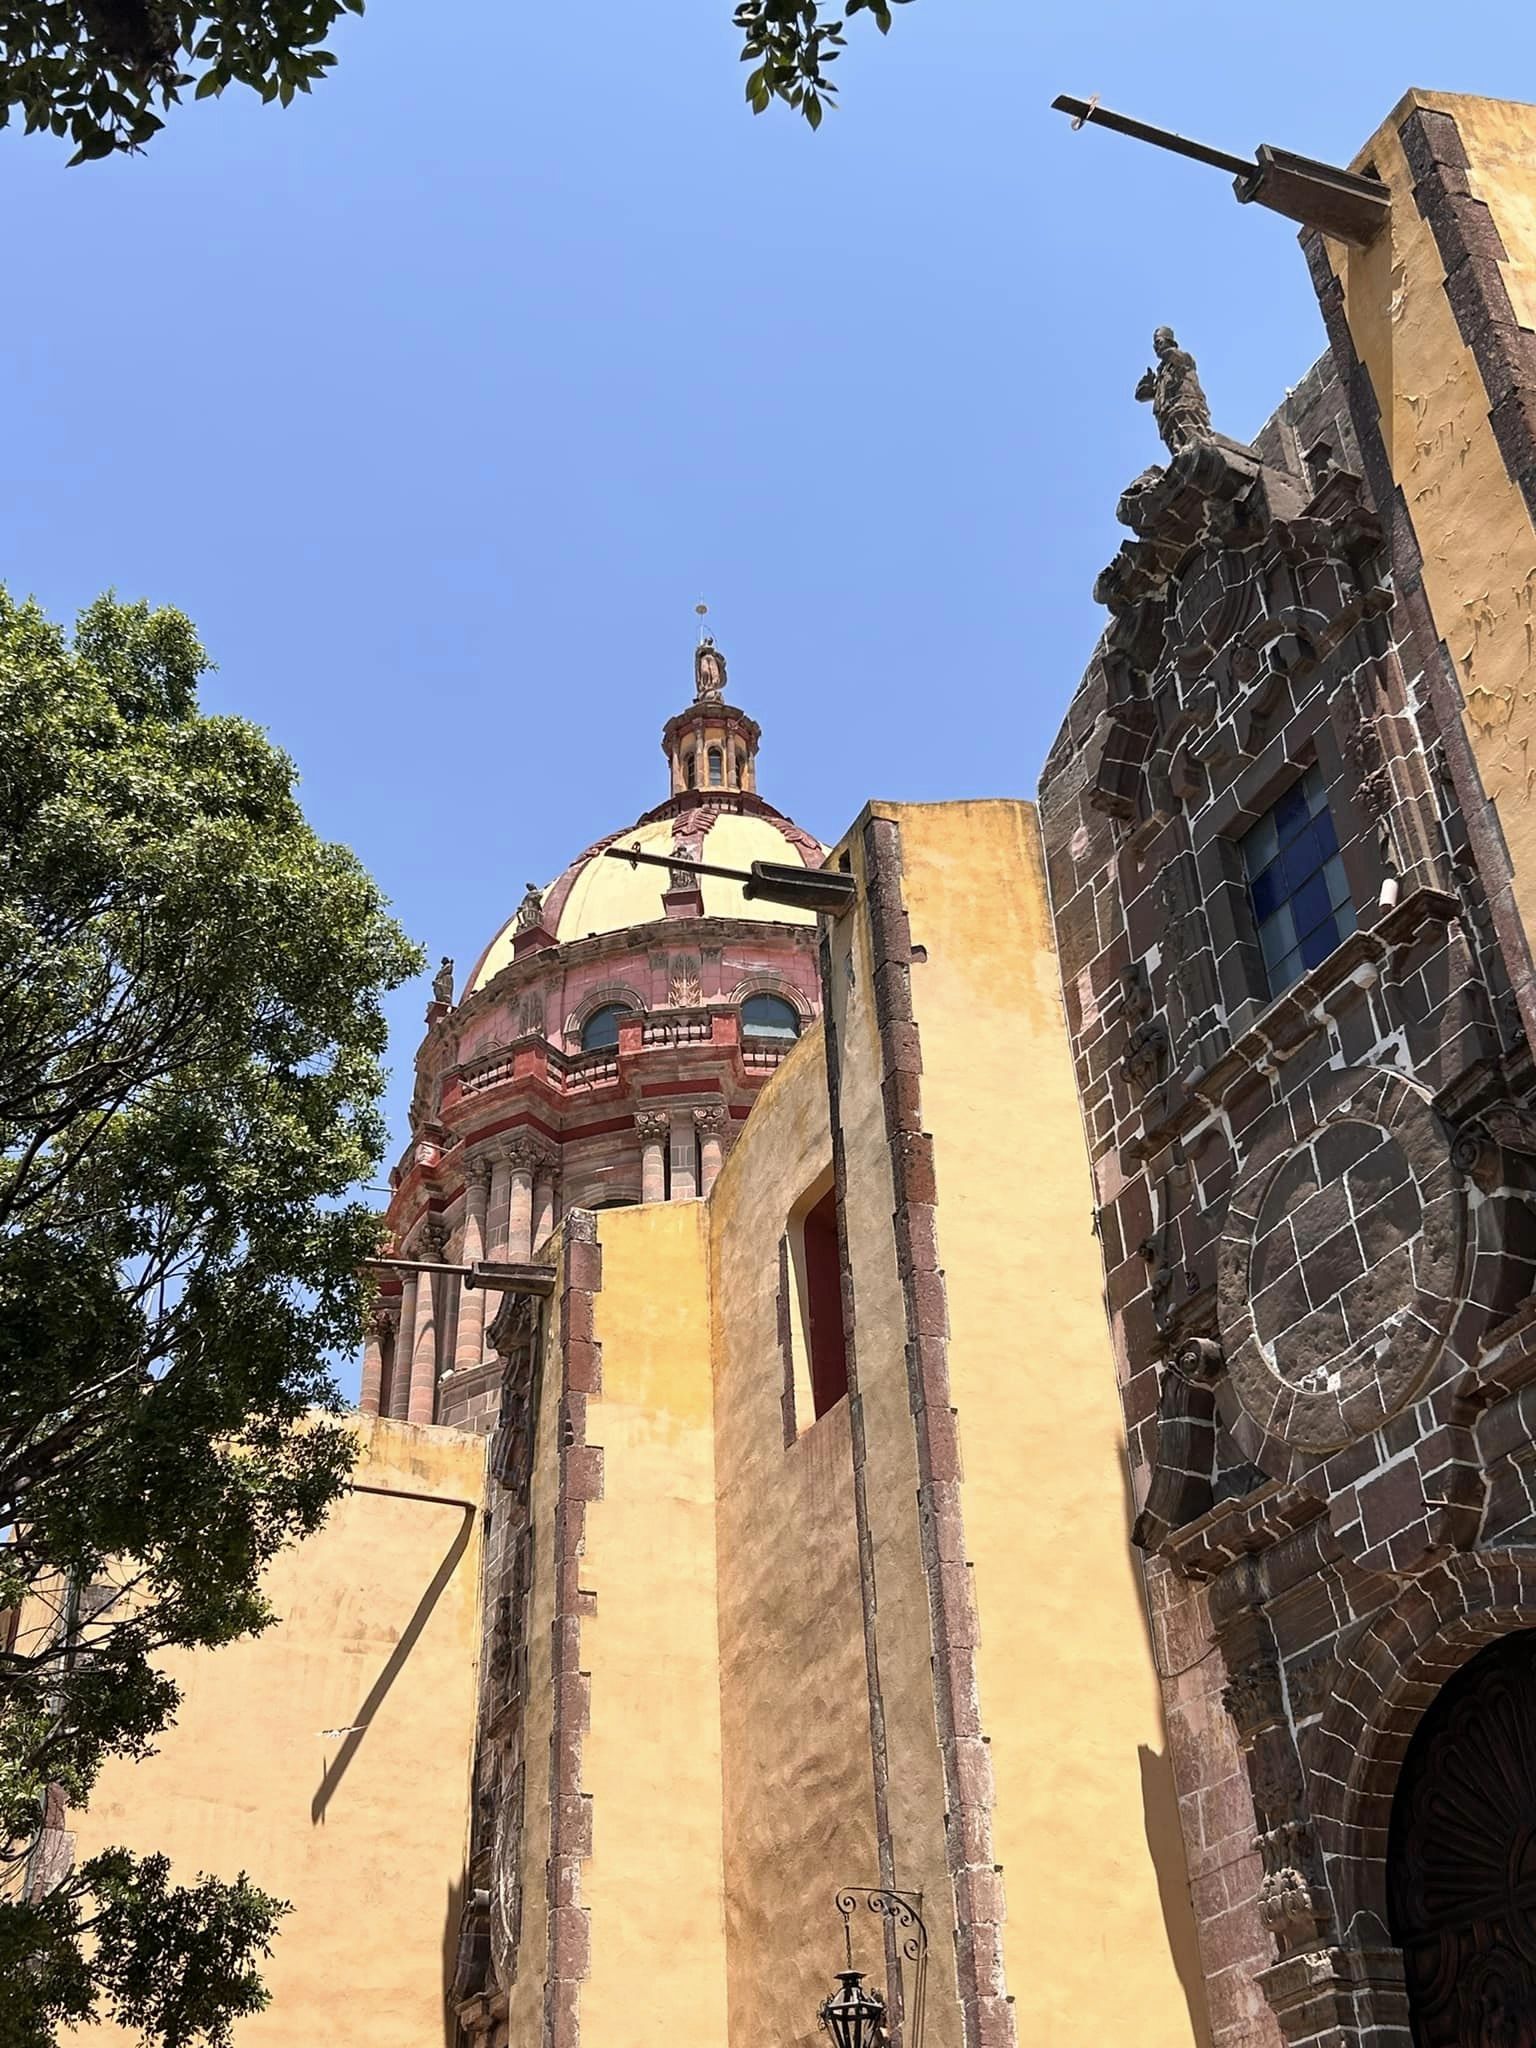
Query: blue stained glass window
pixel 1296 880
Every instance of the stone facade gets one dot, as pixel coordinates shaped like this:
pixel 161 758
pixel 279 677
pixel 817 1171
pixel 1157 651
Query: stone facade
pixel 1314 1175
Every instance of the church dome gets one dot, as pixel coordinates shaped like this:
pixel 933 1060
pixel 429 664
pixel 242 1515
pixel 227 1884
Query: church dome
pixel 596 894
pixel 606 1049
pixel 713 817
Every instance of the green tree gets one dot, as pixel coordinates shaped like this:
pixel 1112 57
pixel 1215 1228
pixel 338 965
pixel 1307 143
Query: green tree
pixel 190 1071
pixel 95 70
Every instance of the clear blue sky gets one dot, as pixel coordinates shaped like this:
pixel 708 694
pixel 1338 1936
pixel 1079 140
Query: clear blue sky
pixel 439 399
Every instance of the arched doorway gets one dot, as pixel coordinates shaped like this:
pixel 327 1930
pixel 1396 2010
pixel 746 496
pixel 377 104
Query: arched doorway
pixel 1461 1857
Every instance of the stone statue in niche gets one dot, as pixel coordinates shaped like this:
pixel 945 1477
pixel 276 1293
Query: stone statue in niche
pixel 530 911
pixel 708 672
pixel 442 982
pixel 1172 387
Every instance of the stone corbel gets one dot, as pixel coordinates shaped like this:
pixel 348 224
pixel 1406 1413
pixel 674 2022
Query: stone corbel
pixel 1183 1471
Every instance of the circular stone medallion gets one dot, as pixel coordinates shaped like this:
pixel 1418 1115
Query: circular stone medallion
pixel 1340 1269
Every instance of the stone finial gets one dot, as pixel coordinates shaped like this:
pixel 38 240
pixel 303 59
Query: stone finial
pixel 530 911
pixel 708 672
pixel 1172 387
pixel 442 982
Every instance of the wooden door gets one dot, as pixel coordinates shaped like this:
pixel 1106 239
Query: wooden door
pixel 1461 1866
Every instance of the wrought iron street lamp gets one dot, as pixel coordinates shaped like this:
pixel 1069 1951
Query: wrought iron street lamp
pixel 856 2018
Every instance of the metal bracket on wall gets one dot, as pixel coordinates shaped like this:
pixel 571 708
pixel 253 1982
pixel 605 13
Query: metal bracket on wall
pixel 770 881
pixel 1345 204
pixel 505 1279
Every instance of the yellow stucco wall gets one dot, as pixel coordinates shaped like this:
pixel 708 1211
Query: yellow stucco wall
pixel 365 1833
pixel 1473 529
pixel 651 1757
pixel 1099 1942
pixel 798 1794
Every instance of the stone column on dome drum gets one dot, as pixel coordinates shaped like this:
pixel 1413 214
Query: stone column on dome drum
pixel 711 1126
pixel 496 1209
pixel 423 1396
pixel 469 1345
pixel 520 1158
pixel 405 1345
pixel 546 1185
pixel 375 1338
pixel 654 1126
pixel 685 1171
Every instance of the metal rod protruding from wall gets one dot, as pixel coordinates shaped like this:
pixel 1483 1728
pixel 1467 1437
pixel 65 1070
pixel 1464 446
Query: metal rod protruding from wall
pixel 1352 206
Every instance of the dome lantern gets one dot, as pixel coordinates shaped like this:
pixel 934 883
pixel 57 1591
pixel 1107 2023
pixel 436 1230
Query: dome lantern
pixel 711 747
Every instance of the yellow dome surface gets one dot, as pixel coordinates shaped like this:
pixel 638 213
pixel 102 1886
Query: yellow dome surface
pixel 610 895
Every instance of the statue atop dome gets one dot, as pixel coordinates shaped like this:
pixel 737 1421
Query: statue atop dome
pixel 708 672
pixel 442 982
pixel 1173 389
pixel 531 910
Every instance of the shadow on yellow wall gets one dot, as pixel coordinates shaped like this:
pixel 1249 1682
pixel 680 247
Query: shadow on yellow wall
pixel 336 1770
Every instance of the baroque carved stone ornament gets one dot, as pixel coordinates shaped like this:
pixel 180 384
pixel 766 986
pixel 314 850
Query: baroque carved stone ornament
pixel 530 911
pixel 1340 1267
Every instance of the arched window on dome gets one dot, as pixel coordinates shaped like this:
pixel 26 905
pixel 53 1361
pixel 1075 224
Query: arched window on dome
pixel 741 771
pixel 691 770
pixel 600 1033
pixel 716 768
pixel 765 1016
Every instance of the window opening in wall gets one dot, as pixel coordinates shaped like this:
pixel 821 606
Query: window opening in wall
pixel 691 770
pixel 824 1306
pixel 813 1327
pixel 741 771
pixel 1296 881
pixel 601 1030
pixel 716 768
pixel 766 1016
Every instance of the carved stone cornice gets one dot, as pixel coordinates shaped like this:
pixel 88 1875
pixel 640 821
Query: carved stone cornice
pixel 1237 1528
pixel 1280 1030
